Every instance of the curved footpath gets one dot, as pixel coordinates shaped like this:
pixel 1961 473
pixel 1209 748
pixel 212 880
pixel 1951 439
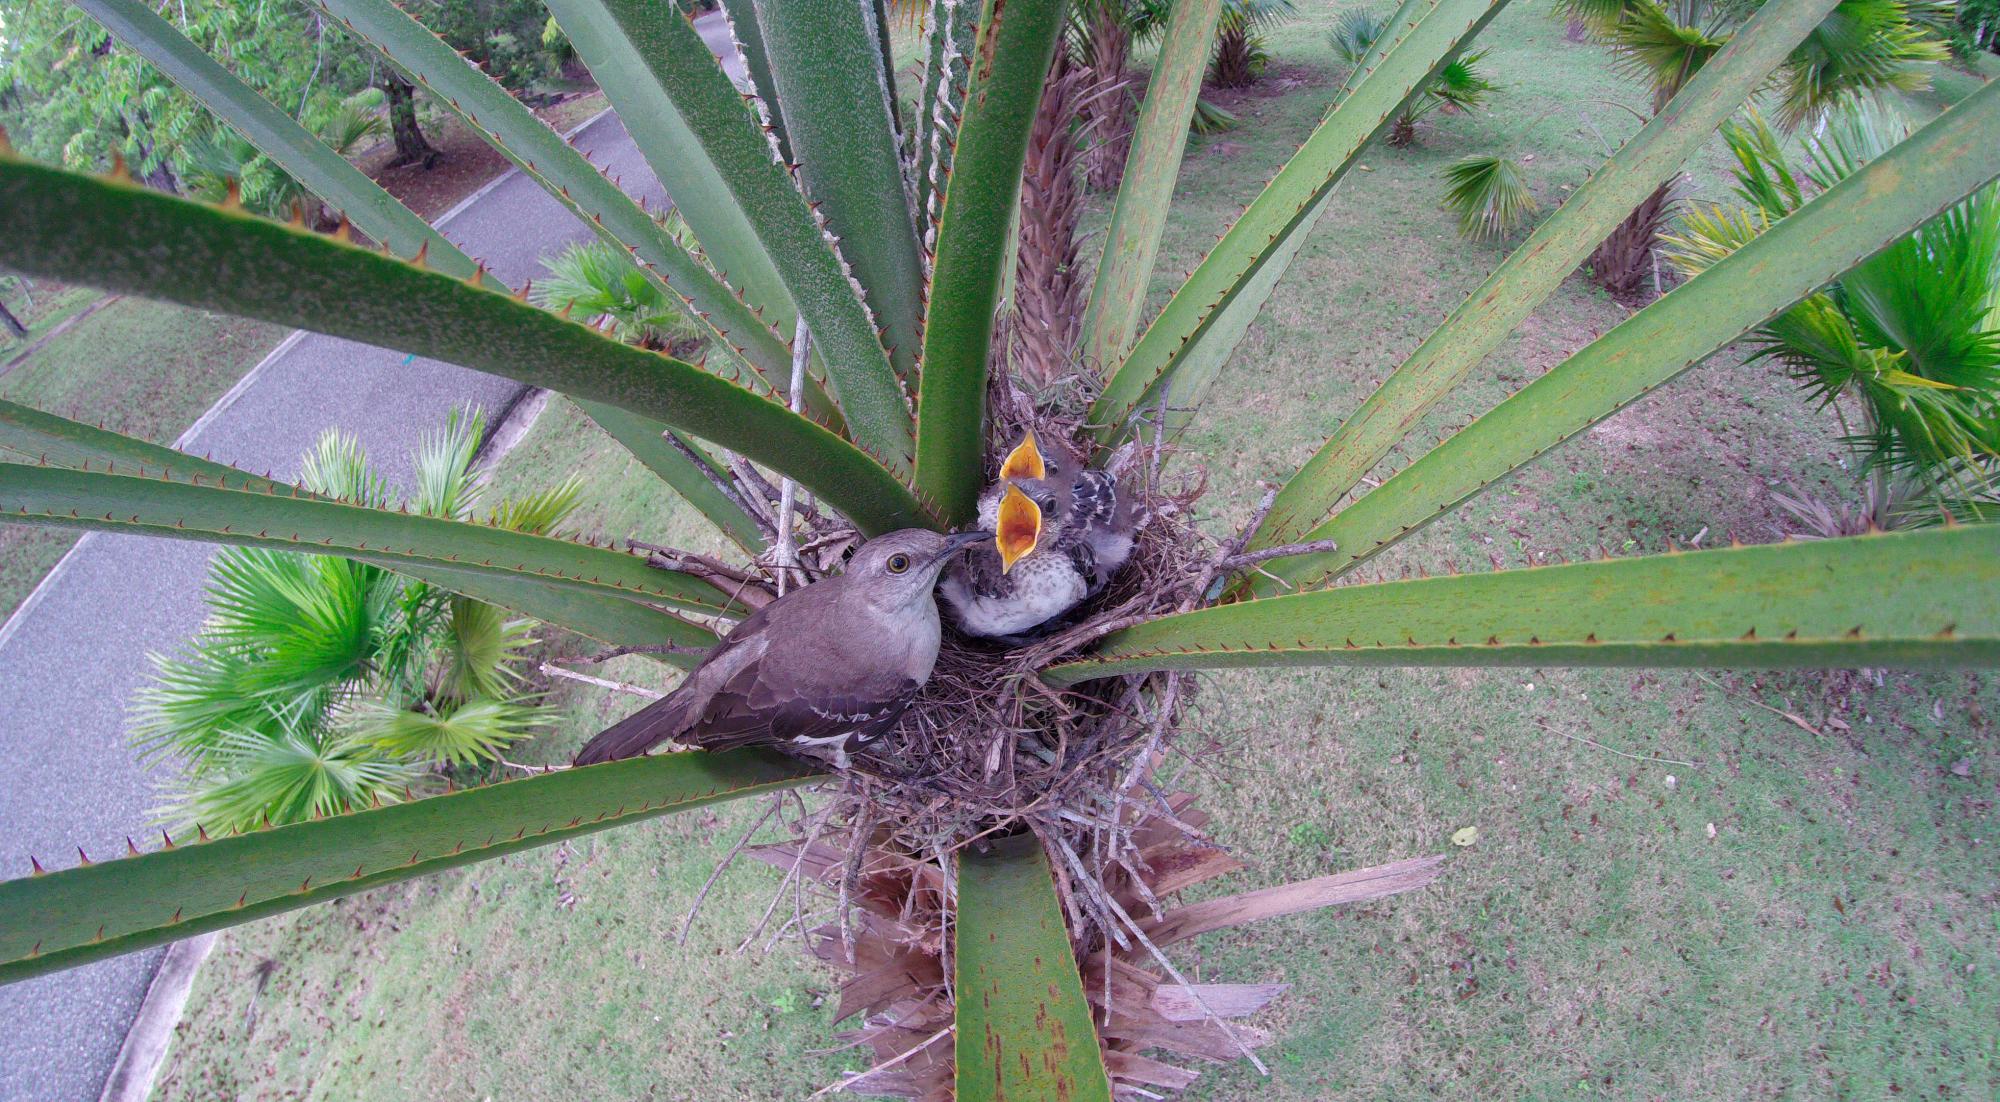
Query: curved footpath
pixel 72 656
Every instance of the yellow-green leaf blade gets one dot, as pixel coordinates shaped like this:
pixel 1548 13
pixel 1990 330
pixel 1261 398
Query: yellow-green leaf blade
pixel 1910 599
pixel 75 916
pixel 1024 1029
pixel 1934 168
pixel 136 240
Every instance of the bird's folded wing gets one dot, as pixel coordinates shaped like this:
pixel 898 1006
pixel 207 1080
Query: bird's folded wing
pixel 756 707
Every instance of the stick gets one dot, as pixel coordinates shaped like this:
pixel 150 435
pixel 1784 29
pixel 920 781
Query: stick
pixel 1252 558
pixel 786 554
pixel 727 860
pixel 720 483
pixel 1787 716
pixel 856 1077
pixel 554 670
pixel 1163 962
pixel 1543 724
pixel 636 648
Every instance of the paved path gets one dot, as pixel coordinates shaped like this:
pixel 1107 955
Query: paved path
pixel 71 659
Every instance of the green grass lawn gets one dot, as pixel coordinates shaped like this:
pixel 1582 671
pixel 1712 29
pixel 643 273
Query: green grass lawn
pixel 140 367
pixel 1704 900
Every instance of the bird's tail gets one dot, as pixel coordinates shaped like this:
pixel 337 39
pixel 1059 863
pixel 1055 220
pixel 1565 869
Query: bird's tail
pixel 638 732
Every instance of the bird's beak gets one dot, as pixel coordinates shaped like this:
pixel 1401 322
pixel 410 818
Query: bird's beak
pixel 1020 526
pixel 1025 461
pixel 957 542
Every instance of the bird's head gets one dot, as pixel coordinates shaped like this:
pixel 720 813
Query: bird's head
pixel 1026 507
pixel 903 566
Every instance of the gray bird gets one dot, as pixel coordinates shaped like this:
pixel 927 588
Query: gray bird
pixel 1062 530
pixel 830 665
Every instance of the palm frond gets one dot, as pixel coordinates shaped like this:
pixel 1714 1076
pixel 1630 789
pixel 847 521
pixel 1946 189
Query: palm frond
pixel 467 734
pixel 539 512
pixel 480 647
pixel 337 467
pixel 1864 46
pixel 1660 50
pixel 447 483
pixel 1355 31
pixel 1489 194
pixel 289 778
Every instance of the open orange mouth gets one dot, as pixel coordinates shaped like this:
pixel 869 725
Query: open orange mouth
pixel 1025 461
pixel 1019 528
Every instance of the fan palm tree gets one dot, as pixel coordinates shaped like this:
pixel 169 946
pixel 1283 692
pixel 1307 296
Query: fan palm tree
pixel 1489 194
pixel 322 685
pixel 1864 46
pixel 1911 336
pixel 1461 85
pixel 855 364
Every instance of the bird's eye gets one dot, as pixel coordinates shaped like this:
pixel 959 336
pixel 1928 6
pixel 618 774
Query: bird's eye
pixel 1047 503
pixel 898 563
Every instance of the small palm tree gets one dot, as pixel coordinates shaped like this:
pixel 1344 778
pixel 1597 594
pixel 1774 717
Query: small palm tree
pixel 1911 336
pixel 1862 46
pixel 1240 55
pixel 591 279
pixel 1355 32
pixel 1489 194
pixel 1461 85
pixel 324 685
pixel 858 374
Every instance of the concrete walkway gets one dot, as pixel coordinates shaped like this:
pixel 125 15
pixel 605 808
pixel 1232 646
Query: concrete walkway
pixel 74 654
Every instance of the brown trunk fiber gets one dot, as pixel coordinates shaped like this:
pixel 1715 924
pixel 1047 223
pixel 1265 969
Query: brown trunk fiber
pixel 1623 264
pixel 1109 115
pixel 411 146
pixel 1403 131
pixel 1232 65
pixel 1048 287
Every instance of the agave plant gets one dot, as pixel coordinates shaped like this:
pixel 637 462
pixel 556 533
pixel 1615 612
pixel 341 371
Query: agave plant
pixel 321 685
pixel 884 424
pixel 1911 336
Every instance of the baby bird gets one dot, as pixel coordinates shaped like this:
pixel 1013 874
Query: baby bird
pixel 1062 530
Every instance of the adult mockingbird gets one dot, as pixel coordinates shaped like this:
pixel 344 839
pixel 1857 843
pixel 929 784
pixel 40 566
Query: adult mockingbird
pixel 1063 530
pixel 829 665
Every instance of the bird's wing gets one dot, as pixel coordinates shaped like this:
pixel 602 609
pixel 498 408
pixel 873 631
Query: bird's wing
pixel 672 715
pixel 1093 498
pixel 982 573
pixel 753 707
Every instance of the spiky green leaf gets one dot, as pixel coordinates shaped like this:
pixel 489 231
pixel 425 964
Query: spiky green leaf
pixel 1010 63
pixel 1024 1029
pixel 827 67
pixel 1909 599
pixel 709 148
pixel 1225 291
pixel 63 919
pixel 137 240
pixel 1849 222
pixel 158 505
